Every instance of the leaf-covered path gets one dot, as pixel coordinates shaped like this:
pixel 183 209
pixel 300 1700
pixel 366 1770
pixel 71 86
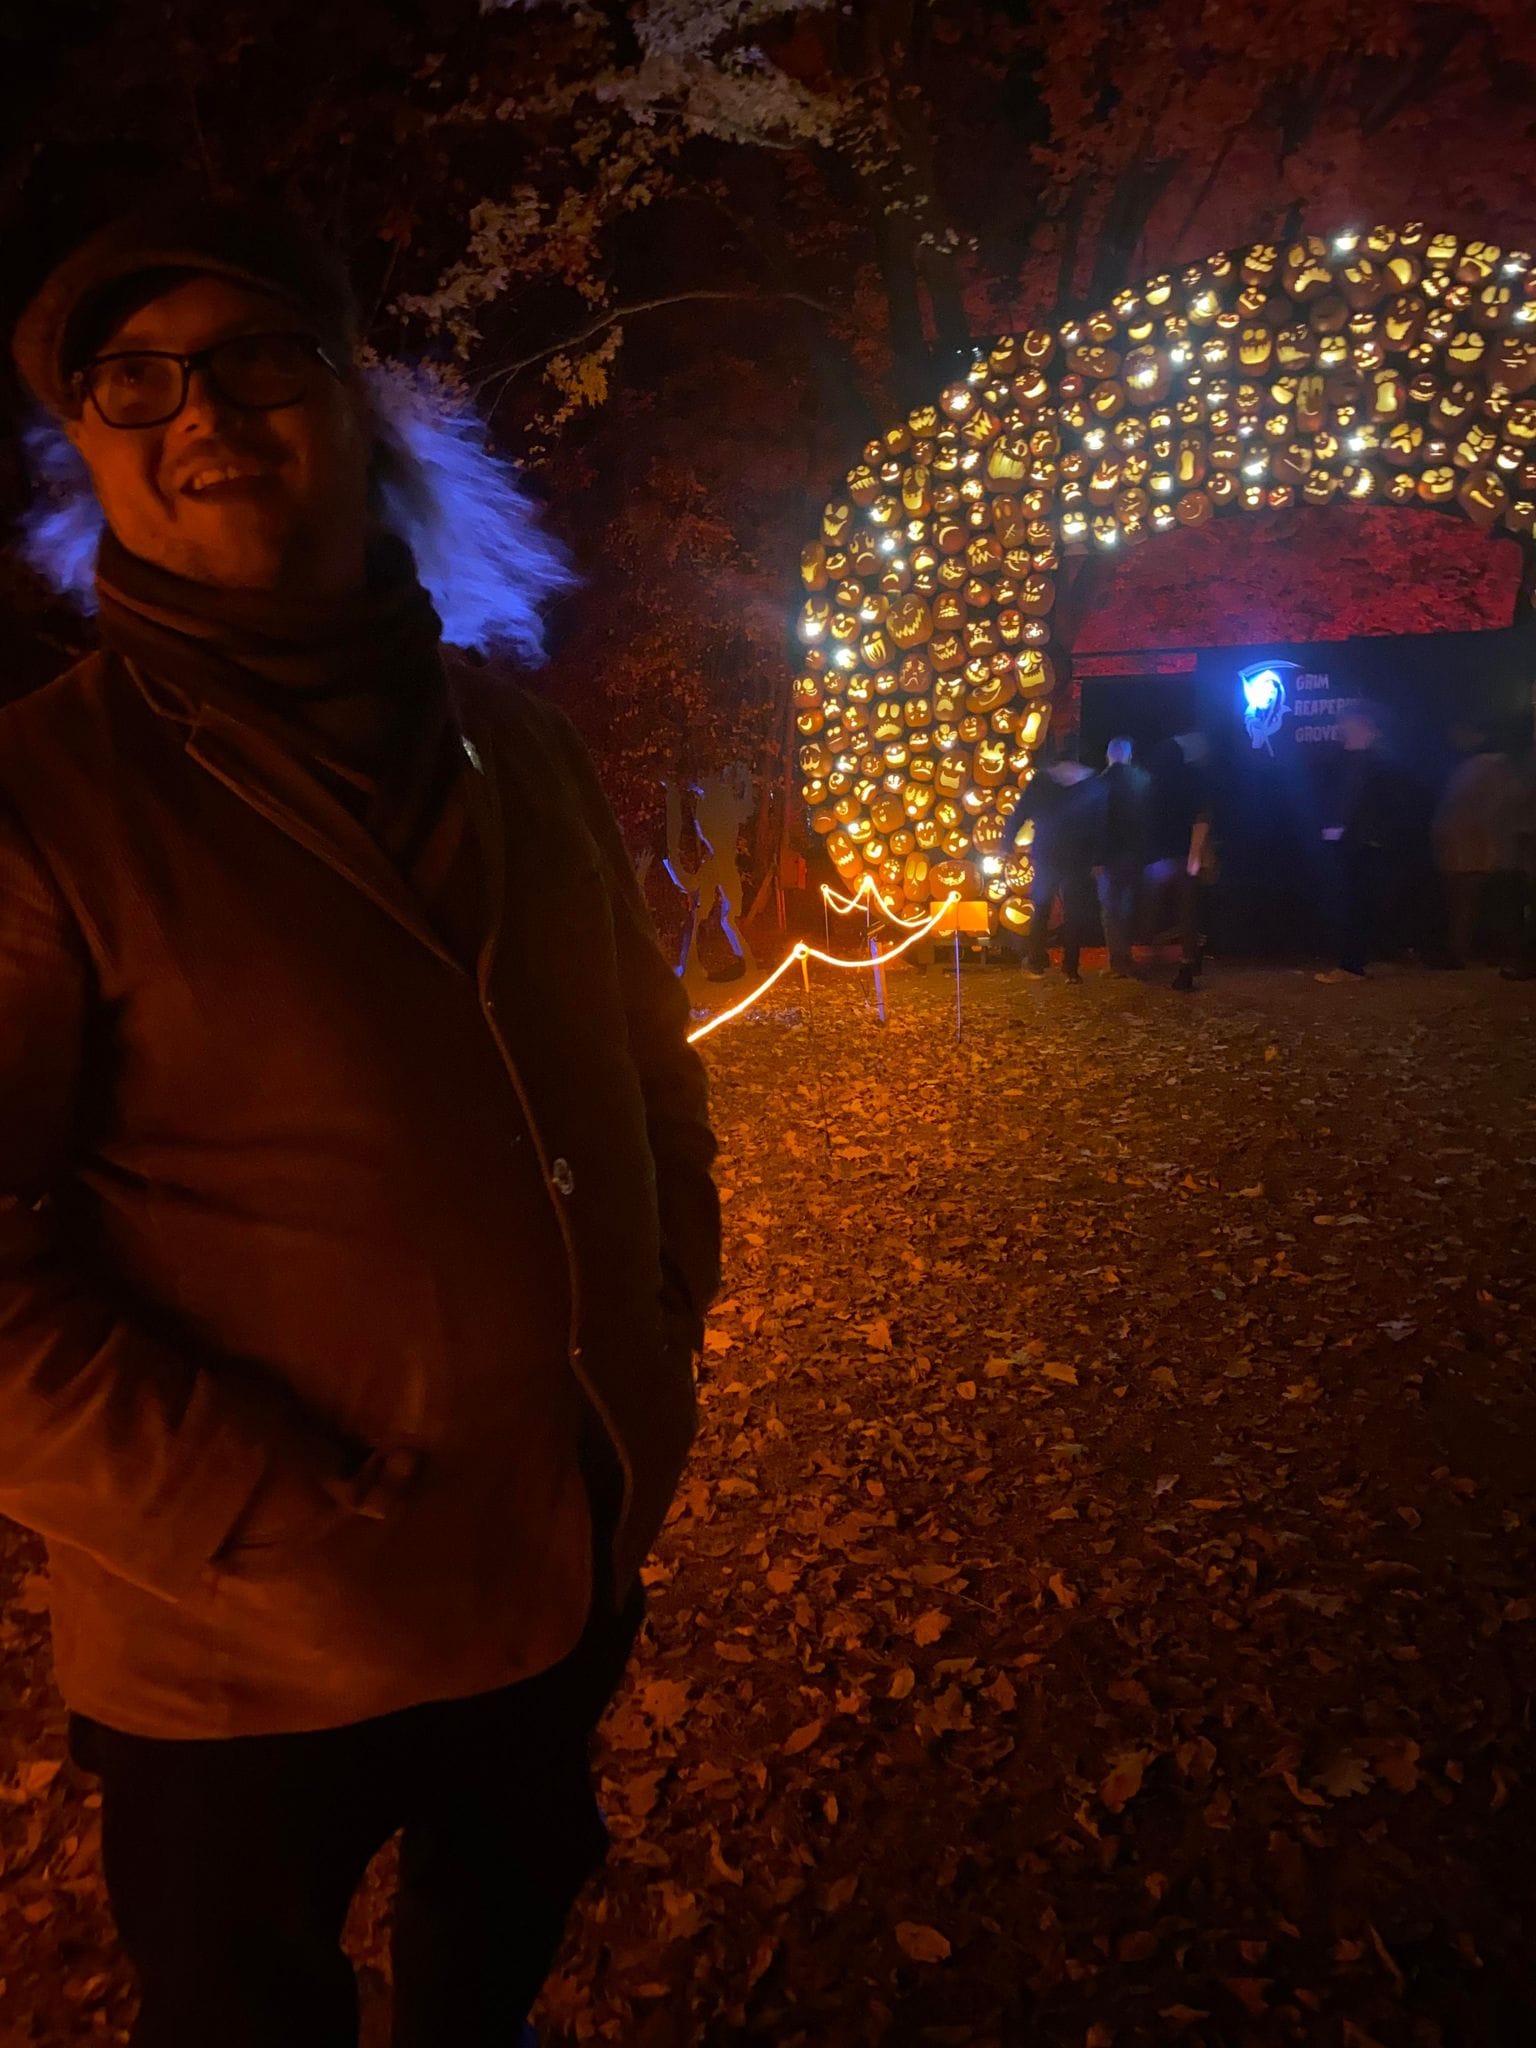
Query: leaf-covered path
pixel 1100 1610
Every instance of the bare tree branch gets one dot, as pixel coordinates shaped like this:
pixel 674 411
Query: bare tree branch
pixel 505 372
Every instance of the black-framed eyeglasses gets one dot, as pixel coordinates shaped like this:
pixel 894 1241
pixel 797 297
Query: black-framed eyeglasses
pixel 147 387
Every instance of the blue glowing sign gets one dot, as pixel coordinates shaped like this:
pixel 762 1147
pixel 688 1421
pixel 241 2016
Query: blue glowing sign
pixel 1266 699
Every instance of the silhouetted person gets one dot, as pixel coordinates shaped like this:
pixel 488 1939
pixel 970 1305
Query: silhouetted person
pixel 1361 825
pixel 1057 857
pixel 1178 839
pixel 1121 853
pixel 1060 799
pixel 1474 836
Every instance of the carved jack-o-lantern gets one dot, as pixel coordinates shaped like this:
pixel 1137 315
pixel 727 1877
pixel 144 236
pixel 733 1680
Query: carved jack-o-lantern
pixel 1457 402
pixel 1256 345
pixel 1484 497
pixel 1476 447
pixel 989 765
pixel 1036 671
pixel 1190 462
pixel 909 623
pixel 1295 348
pixel 1403 443
pixel 1363 282
pixel 1513 362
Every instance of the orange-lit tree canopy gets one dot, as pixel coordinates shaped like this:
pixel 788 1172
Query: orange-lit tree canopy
pixel 1391 367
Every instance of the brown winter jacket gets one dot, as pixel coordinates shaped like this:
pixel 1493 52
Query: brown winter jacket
pixel 255 1126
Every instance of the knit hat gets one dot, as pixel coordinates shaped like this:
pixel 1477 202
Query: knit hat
pixel 125 265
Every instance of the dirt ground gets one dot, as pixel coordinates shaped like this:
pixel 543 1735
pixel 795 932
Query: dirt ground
pixel 1100 1611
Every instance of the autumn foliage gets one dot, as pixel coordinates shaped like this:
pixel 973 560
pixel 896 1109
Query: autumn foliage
pixel 688 254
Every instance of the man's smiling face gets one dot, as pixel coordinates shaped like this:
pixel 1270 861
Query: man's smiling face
pixel 237 499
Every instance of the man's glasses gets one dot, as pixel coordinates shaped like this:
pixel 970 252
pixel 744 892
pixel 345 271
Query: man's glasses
pixel 148 387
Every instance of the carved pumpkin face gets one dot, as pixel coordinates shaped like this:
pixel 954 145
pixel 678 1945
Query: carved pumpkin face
pixel 1476 447
pixel 989 765
pixel 1404 319
pixel 1454 404
pixel 1307 272
pixel 886 814
pixel 1294 348
pixel 1403 443
pixel 909 623
pixel 1514 362
pixel 1437 484
pixel 1362 281
pixel 1036 672
pixel 1256 345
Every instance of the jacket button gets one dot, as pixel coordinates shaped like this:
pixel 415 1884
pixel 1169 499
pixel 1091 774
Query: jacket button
pixel 560 1173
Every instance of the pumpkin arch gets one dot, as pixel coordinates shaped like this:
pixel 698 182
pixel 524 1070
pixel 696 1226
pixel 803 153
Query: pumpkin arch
pixel 1396 366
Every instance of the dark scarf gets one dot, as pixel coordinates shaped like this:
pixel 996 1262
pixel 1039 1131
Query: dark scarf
pixel 353 686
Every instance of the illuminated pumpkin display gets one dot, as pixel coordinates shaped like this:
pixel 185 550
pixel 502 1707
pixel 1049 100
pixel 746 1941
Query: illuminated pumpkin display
pixel 1389 367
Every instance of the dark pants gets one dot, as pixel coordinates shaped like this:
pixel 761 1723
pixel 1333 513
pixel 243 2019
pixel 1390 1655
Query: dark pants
pixel 1043 890
pixel 1076 915
pixel 1357 881
pixel 1119 894
pixel 230 1864
pixel 1176 893
pixel 1074 886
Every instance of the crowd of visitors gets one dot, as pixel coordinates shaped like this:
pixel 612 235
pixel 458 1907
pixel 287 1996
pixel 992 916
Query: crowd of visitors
pixel 1132 842
pixel 1448 880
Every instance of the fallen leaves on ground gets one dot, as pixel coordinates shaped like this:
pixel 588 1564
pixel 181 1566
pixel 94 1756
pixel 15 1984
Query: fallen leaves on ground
pixel 1098 1612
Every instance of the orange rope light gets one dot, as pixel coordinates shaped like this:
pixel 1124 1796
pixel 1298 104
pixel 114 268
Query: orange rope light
pixel 868 890
pixel 801 951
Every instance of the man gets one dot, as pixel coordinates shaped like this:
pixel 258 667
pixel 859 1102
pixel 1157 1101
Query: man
pixel 1360 834
pixel 1474 836
pixel 357 1223
pixel 1056 803
pixel 1178 844
pixel 1122 853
